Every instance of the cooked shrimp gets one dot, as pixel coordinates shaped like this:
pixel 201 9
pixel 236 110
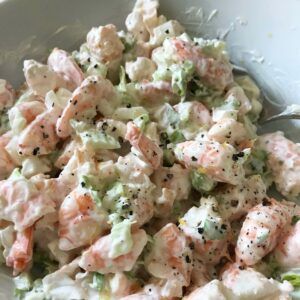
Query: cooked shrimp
pixel 22 203
pixel 261 231
pixel 98 259
pixel 213 290
pixel 104 43
pixel 147 147
pixel 170 249
pixel 133 166
pixel 207 230
pixel 171 184
pixel 7 95
pixel 21 252
pixel 175 178
pixel 141 21
pixel 29 110
pixel 287 252
pixel 95 94
pixel 153 93
pixel 66 154
pixel 39 137
pixel 40 78
pixel 198 114
pixel 216 73
pixel 236 201
pixel 64 64
pixel 283 161
pixel 214 159
pixel 140 69
pixel 246 283
pixel 80 222
pixel 6 163
pixel 228 131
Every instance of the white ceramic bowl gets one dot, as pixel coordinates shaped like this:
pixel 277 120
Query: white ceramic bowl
pixel 262 36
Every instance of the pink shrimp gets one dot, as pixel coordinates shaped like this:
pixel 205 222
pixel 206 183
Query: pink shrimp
pixel 247 283
pixel 23 204
pixel 238 200
pixel 228 130
pixel 214 159
pixel 147 147
pixel 6 163
pixel 80 223
pixel 287 252
pixel 216 73
pixel 63 64
pixel 7 95
pixel 199 114
pixel 30 110
pixel 97 258
pixel 21 252
pixel 170 250
pixel 172 184
pixel 92 96
pixel 156 92
pixel 213 290
pixel 283 161
pixel 39 137
pixel 261 231
pixel 66 154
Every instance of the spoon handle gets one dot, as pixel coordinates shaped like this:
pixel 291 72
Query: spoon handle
pixel 282 116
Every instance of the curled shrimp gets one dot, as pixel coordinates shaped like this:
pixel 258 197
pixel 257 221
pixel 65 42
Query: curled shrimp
pixel 104 43
pixel 143 144
pixel 214 159
pixel 63 64
pixel 21 252
pixel 97 258
pixel 217 73
pixel 80 222
pixel 261 230
pixel 92 96
pixel 7 94
pixel 283 161
pixel 6 163
pixel 170 249
pixel 287 252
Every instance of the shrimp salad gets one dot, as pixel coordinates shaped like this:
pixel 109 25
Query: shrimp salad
pixel 131 169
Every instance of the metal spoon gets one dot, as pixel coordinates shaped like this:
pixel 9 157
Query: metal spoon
pixel 290 112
